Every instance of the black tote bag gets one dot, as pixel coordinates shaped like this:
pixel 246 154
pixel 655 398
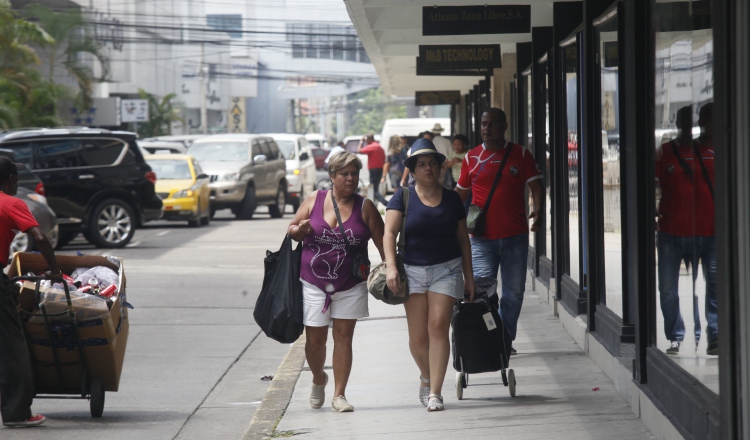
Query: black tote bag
pixel 278 310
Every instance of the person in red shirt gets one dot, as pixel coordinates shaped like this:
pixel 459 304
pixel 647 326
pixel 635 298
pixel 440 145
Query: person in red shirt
pixel 16 381
pixel 505 242
pixel 375 162
pixel 686 224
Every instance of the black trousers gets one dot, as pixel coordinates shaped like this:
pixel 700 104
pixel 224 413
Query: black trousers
pixel 16 380
pixel 375 175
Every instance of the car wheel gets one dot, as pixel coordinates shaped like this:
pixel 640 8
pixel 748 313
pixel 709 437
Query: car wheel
pixel 323 185
pixel 112 224
pixel 197 221
pixel 247 207
pixel 277 210
pixel 22 242
pixel 212 213
pixel 64 238
pixel 205 221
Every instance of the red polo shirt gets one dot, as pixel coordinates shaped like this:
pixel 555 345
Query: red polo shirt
pixel 686 205
pixel 375 155
pixel 14 217
pixel 507 214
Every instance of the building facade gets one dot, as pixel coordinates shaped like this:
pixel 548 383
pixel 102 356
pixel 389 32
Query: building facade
pixel 637 113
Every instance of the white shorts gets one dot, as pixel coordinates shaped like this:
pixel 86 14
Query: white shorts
pixel 349 304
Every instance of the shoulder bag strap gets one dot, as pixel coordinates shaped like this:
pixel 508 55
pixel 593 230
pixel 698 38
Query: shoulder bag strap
pixel 402 234
pixel 338 218
pixel 497 177
pixel 681 160
pixel 703 169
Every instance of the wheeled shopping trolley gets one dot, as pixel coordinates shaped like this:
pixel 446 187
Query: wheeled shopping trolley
pixel 481 343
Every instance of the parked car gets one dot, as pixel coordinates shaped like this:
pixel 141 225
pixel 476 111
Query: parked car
pixel 43 214
pixel 182 187
pixel 245 170
pixel 95 180
pixel 317 140
pixel 319 156
pixel 163 147
pixel 300 166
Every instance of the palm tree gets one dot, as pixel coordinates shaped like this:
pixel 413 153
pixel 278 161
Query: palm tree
pixel 72 38
pixel 18 81
pixel 161 115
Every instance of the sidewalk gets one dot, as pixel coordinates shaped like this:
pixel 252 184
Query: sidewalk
pixel 561 392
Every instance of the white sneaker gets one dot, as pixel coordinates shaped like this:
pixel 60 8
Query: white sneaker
pixel 339 404
pixel 318 393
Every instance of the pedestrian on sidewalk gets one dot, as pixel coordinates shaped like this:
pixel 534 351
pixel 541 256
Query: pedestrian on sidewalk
pixel 505 242
pixel 16 377
pixel 331 291
pixel 407 178
pixel 375 163
pixel 436 254
pixel 444 147
pixel 394 165
pixel 455 159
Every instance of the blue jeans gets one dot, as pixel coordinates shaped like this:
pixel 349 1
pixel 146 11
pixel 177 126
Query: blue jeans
pixel 672 250
pixel 509 255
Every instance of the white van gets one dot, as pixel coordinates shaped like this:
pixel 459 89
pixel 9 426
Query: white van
pixel 300 166
pixel 411 127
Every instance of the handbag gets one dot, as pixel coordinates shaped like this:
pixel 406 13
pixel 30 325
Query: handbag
pixel 377 281
pixel 360 267
pixel 278 310
pixel 476 216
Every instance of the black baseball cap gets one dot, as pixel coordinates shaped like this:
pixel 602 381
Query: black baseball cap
pixel 8 168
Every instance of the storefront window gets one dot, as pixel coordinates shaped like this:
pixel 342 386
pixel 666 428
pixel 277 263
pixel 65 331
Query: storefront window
pixel 547 168
pixel 687 327
pixel 530 144
pixel 611 164
pixel 573 191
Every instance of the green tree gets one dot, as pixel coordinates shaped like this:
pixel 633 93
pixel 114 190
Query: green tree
pixel 370 110
pixel 72 38
pixel 18 79
pixel 161 114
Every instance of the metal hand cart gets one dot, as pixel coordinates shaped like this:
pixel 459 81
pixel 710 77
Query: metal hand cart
pixel 91 388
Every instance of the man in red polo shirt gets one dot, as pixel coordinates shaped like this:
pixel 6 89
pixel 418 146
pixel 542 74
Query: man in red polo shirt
pixel 16 381
pixel 686 226
pixel 375 162
pixel 505 242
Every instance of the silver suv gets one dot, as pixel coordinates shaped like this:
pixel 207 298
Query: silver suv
pixel 245 171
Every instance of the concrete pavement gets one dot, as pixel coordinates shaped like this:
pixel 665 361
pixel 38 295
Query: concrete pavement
pixel 561 392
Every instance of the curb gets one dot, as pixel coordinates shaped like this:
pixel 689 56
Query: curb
pixel 274 403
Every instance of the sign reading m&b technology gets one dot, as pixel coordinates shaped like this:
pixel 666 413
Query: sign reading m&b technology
pixel 473 20
pixel 460 57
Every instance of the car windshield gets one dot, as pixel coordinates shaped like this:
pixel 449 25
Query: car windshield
pixel 170 169
pixel 287 147
pixel 220 151
pixel 315 142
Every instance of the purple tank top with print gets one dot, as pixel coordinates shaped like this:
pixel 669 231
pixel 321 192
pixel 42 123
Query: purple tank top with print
pixel 326 260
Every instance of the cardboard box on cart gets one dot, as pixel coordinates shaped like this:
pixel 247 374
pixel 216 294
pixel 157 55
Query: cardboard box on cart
pixel 104 340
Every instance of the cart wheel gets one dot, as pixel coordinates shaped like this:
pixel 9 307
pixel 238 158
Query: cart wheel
pixel 97 398
pixel 84 383
pixel 466 380
pixel 459 386
pixel 505 378
pixel 512 382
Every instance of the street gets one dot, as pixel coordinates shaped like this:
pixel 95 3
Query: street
pixel 195 358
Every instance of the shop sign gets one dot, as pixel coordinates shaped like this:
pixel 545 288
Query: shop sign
pixel 440 97
pixel 460 57
pixel 431 71
pixel 134 110
pixel 474 20
pixel 237 123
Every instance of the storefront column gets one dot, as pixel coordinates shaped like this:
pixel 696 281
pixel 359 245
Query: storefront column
pixel 509 69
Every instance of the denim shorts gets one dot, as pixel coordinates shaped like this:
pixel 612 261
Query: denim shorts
pixel 445 278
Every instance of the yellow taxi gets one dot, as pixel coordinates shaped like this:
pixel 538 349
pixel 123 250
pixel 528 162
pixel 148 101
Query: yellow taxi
pixel 182 187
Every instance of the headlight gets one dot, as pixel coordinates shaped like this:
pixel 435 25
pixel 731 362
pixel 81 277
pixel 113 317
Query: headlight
pixel 233 177
pixel 296 172
pixel 38 198
pixel 183 193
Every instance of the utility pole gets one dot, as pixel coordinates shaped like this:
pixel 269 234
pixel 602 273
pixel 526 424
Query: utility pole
pixel 204 111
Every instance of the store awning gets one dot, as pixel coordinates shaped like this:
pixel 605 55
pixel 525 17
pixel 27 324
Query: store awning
pixel 391 32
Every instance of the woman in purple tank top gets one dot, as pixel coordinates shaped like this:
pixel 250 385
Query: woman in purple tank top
pixel 331 292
